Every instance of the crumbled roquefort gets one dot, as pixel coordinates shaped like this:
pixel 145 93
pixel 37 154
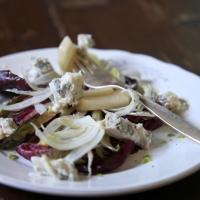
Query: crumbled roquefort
pixel 38 67
pixel 172 102
pixel 85 41
pixel 121 128
pixel 57 168
pixel 7 127
pixel 150 92
pixel 66 90
pixel 169 99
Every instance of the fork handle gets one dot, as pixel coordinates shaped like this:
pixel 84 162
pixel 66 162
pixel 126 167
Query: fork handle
pixel 171 119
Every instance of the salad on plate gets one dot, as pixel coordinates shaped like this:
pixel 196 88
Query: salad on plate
pixel 66 129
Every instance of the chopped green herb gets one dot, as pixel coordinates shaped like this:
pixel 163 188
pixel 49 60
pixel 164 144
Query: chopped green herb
pixel 117 147
pixel 146 159
pixel 171 135
pixel 12 156
pixel 99 175
pixel 181 136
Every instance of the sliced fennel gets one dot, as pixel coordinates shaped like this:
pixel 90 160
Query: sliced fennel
pixel 106 143
pixel 90 159
pixel 82 150
pixel 26 103
pixel 30 93
pixel 65 140
pixel 32 85
pixel 46 78
pixel 133 106
pixel 40 108
pixel 67 121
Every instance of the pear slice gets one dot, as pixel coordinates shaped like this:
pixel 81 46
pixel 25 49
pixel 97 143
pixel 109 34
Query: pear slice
pixel 116 100
pixel 98 92
pixel 65 57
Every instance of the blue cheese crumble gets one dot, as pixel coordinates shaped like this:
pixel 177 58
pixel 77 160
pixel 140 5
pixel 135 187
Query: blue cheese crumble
pixel 7 127
pixel 66 90
pixel 38 67
pixel 85 41
pixel 172 102
pixel 121 128
pixel 57 168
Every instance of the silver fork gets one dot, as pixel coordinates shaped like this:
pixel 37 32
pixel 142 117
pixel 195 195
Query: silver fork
pixel 95 76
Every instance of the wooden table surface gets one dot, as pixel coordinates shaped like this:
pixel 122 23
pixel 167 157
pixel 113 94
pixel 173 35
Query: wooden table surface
pixel 167 30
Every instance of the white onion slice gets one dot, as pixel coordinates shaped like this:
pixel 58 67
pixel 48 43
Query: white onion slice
pixel 26 103
pixel 90 159
pixel 131 107
pixel 56 123
pixel 82 150
pixel 141 113
pixel 69 133
pixel 72 143
pixel 106 142
pixel 40 108
pixel 30 93
pixel 33 86
pixel 43 79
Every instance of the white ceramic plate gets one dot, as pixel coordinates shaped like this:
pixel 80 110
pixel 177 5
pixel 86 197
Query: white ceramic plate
pixel 171 160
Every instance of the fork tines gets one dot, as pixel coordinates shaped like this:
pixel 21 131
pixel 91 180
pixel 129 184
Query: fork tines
pixel 85 64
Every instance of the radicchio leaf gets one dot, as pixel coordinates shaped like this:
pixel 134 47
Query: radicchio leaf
pixel 111 159
pixel 24 115
pixel 28 149
pixel 9 80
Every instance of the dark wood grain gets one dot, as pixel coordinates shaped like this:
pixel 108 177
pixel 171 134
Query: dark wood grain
pixel 167 30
